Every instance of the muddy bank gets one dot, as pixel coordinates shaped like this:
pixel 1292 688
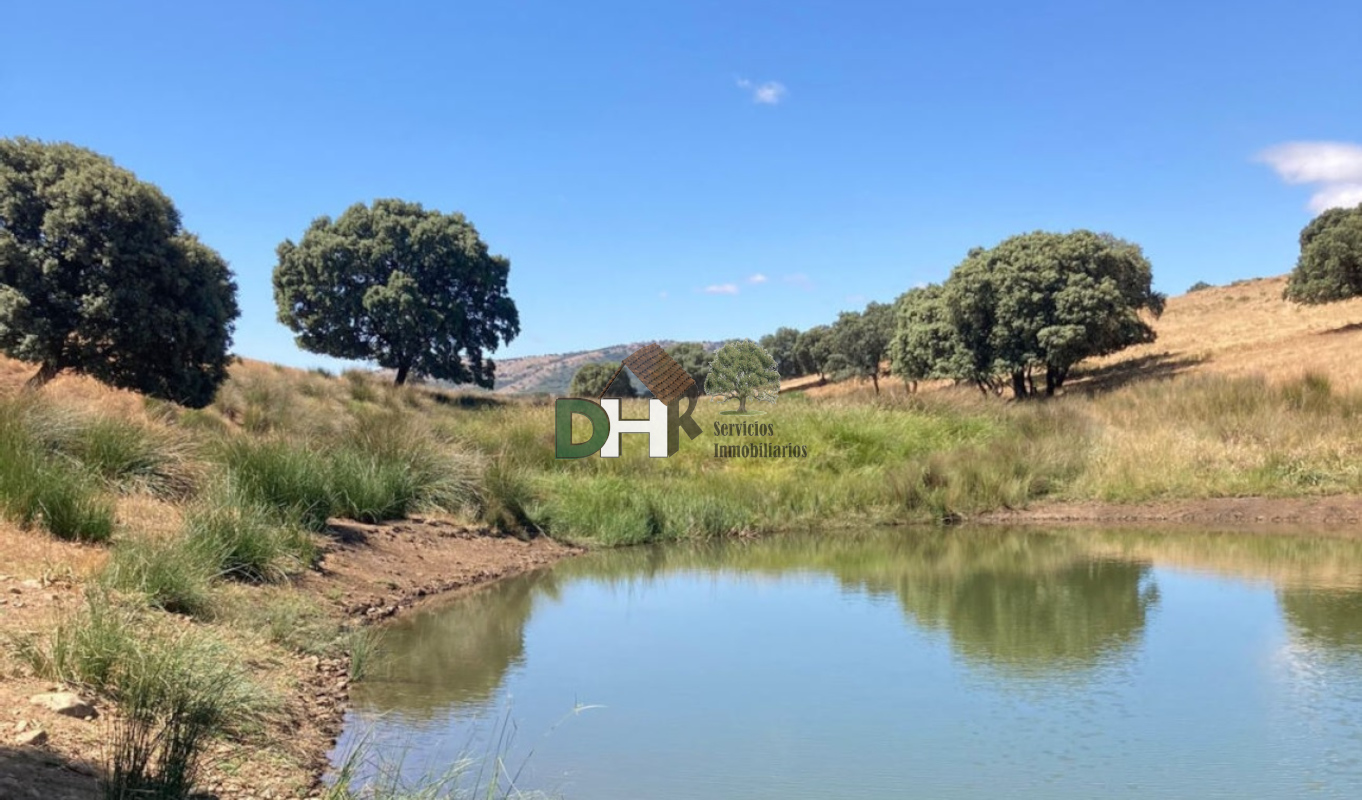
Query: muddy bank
pixel 1337 516
pixel 367 573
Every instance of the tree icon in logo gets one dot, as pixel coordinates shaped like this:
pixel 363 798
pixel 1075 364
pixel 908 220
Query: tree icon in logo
pixel 743 371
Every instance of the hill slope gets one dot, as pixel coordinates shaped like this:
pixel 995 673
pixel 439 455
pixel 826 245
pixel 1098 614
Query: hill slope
pixel 1244 328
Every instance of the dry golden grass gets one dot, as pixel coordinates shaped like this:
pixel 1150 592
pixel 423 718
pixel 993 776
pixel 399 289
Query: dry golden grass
pixel 29 555
pixel 1246 328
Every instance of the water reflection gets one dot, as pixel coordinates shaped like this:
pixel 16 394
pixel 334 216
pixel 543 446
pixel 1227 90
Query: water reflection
pixel 1013 601
pixel 967 663
pixel 456 655
pixel 1328 618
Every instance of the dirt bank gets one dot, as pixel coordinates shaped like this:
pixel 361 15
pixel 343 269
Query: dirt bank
pixel 367 573
pixel 1341 516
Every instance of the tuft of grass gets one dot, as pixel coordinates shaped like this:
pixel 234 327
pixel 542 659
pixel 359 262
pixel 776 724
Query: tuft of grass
pixel 133 457
pixel 170 575
pixel 242 540
pixel 174 689
pixel 363 645
pixel 38 487
pixel 289 479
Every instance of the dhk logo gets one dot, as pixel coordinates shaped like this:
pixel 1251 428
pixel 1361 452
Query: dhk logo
pixel 670 386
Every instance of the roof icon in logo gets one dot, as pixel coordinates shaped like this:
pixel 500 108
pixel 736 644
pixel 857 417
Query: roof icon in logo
pixel 665 378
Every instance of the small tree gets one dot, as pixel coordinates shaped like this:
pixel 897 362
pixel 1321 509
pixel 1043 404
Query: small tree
pixel 924 344
pixel 1329 267
pixel 742 370
pixel 860 341
pixel 97 276
pixel 595 380
pixel 811 350
pixel 781 346
pixel 694 359
pixel 411 289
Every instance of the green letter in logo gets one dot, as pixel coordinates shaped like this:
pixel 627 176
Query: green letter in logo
pixel 563 409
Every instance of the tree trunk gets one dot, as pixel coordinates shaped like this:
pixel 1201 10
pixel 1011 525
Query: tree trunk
pixel 742 404
pixel 1051 380
pixel 875 376
pixel 402 371
pixel 46 372
pixel 1018 385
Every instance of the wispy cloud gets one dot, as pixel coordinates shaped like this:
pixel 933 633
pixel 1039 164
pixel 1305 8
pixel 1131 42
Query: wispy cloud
pixel 769 93
pixel 757 278
pixel 1335 166
pixel 798 279
pixel 722 288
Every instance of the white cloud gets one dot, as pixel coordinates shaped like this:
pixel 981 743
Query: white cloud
pixel 1337 166
pixel 722 288
pixel 757 278
pixel 1338 195
pixel 769 93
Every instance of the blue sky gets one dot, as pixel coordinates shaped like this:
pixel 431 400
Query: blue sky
pixel 640 163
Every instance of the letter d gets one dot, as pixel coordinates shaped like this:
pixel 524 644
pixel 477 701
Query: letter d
pixel 563 409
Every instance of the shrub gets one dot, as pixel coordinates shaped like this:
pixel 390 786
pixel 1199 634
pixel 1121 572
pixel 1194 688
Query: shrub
pixel 1199 286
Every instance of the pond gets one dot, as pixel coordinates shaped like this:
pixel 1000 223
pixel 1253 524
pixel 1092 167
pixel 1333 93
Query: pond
pixel 955 663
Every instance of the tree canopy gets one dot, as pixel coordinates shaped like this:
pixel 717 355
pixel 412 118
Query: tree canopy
pixel 812 350
pixel 412 289
pixel 924 344
pixel 742 371
pixel 1329 267
pixel 1038 302
pixel 694 359
pixel 97 276
pixel 591 381
pixel 781 346
pixel 859 341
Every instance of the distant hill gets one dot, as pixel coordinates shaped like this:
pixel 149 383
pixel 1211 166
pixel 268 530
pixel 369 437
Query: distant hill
pixel 551 374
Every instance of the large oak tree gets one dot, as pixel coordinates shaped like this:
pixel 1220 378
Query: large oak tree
pixel 414 290
pixel 97 276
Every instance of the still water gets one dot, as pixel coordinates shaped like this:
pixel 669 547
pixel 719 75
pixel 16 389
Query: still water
pixel 897 664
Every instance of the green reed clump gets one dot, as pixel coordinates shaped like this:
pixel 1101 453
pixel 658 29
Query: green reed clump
pixel 242 540
pixel 290 479
pixel 169 573
pixel 41 487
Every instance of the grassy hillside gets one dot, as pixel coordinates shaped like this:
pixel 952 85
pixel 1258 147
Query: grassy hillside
pixel 1243 329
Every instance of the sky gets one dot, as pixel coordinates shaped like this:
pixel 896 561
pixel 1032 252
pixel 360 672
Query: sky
pixel 712 169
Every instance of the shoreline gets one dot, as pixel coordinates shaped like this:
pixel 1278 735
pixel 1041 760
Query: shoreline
pixel 1336 515
pixel 432 560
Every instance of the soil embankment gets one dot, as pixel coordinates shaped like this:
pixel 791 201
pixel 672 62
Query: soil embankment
pixel 367 572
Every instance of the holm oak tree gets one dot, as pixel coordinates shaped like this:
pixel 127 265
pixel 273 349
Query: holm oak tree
pixel 414 290
pixel 97 276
